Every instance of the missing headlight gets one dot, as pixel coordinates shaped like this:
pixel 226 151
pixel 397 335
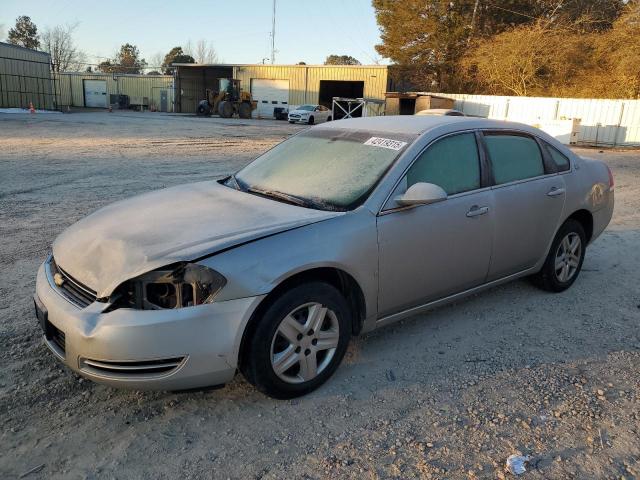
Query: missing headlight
pixel 175 286
pixel 162 295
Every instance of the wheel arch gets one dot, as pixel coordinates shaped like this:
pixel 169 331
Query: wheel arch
pixel 585 218
pixel 340 279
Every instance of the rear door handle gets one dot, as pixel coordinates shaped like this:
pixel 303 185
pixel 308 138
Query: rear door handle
pixel 555 191
pixel 476 211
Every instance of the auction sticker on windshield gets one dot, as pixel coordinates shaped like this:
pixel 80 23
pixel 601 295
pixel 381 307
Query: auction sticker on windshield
pixel 385 143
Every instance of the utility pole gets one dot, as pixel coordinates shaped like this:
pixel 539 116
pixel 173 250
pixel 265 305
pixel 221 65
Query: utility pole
pixel 273 34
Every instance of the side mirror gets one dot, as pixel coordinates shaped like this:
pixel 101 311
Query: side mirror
pixel 421 194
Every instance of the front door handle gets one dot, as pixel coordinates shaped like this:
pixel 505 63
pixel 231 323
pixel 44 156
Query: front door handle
pixel 555 191
pixel 476 211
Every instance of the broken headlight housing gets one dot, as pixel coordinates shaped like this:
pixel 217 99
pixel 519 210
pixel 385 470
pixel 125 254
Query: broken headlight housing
pixel 176 286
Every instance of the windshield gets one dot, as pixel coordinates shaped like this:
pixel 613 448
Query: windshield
pixel 308 108
pixel 333 169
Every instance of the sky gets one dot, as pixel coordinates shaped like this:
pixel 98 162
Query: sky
pixel 306 30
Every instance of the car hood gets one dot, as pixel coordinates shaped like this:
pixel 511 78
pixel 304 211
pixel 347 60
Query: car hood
pixel 299 112
pixel 134 236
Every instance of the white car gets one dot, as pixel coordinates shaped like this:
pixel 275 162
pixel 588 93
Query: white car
pixel 448 112
pixel 310 114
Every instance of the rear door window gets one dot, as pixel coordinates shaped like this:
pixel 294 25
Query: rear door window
pixel 451 163
pixel 513 157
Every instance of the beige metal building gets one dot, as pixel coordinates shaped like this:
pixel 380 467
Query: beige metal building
pixel 25 77
pixel 99 90
pixel 286 86
pixel 272 86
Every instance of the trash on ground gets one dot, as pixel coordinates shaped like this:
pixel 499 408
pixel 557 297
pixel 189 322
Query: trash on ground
pixel 33 470
pixel 516 464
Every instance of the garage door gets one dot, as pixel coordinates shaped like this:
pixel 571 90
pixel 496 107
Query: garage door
pixel 269 94
pixel 95 93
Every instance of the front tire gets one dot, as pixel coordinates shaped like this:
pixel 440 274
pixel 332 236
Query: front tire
pixel 298 342
pixel 564 260
pixel 225 109
pixel 204 109
pixel 311 120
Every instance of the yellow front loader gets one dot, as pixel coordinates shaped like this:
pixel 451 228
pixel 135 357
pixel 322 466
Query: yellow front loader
pixel 228 100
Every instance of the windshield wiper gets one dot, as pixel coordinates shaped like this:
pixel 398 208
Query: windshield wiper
pixel 288 198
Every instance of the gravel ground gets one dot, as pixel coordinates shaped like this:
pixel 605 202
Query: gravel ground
pixel 450 394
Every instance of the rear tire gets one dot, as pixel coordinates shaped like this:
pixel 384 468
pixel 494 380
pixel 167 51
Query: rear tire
pixel 298 342
pixel 329 118
pixel 244 110
pixel 564 260
pixel 225 109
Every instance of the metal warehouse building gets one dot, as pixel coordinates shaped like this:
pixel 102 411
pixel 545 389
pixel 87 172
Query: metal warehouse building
pixel 281 85
pixel 25 77
pixel 99 90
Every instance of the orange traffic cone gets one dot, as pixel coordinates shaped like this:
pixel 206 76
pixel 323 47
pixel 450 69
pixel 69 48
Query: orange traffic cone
pixel 31 109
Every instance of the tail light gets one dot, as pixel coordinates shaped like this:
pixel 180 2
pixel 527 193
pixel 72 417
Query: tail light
pixel 610 179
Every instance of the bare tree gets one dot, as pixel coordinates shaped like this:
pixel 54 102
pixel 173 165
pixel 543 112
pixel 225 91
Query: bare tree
pixel 155 63
pixel 188 48
pixel 205 53
pixel 65 55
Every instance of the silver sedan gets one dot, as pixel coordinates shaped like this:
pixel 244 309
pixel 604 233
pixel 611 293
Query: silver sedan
pixel 341 229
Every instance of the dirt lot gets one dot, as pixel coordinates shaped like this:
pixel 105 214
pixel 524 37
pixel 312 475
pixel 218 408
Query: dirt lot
pixel 450 394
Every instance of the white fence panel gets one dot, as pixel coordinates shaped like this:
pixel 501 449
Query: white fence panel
pixel 599 119
pixel 531 109
pixel 629 132
pixel 483 106
pixel 602 122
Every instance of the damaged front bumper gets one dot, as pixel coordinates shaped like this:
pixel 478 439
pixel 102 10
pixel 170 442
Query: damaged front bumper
pixel 143 349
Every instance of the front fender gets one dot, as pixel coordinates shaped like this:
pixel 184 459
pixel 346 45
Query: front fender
pixel 348 242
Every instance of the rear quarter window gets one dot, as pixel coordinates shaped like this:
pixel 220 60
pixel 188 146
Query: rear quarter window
pixel 561 160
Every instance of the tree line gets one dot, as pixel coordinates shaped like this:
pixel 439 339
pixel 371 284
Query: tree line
pixel 66 56
pixel 58 41
pixel 580 48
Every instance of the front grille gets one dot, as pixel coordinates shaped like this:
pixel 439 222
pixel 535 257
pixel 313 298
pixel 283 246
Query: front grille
pixel 55 336
pixel 72 289
pixel 132 369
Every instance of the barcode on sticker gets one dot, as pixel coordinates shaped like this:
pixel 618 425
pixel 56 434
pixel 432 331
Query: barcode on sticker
pixel 385 143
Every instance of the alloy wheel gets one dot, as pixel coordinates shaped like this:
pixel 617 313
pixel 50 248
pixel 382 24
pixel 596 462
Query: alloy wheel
pixel 304 343
pixel 568 257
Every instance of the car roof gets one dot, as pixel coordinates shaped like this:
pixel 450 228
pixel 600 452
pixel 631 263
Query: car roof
pixel 419 124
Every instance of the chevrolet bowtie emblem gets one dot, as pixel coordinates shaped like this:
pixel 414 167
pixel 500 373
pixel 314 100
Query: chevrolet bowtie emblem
pixel 58 279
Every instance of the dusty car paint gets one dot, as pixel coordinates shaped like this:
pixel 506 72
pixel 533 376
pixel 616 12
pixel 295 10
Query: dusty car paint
pixel 257 244
pixel 134 236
